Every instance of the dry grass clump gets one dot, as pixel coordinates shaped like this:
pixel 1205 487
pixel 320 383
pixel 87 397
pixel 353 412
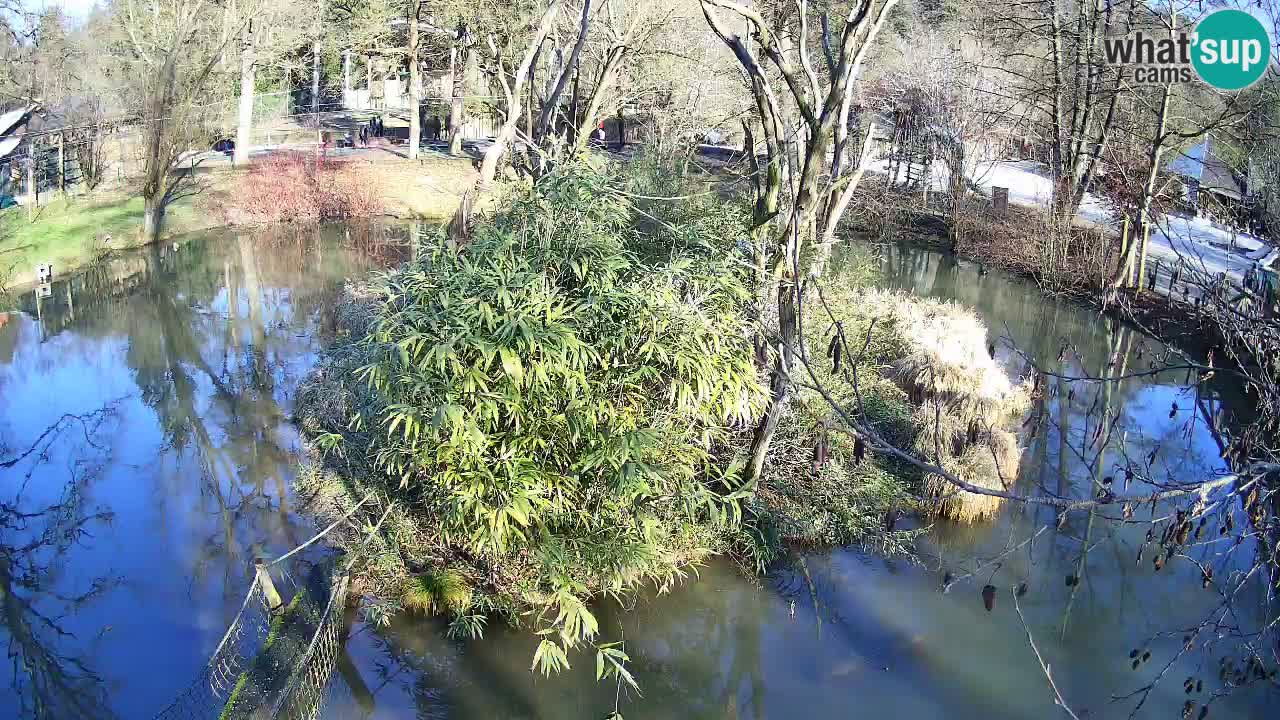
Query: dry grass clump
pixel 988 457
pixel 967 406
pixel 944 358
pixel 976 466
pixel 944 434
pixel 928 382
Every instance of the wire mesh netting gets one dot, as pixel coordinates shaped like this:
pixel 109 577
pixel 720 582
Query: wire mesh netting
pixel 271 665
pixel 306 692
pixel 208 693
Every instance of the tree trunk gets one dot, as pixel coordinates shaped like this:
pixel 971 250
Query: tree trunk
pixel 812 149
pixel 460 60
pixel 1153 170
pixel 779 385
pixel 415 93
pixel 552 103
pixel 492 156
pixel 608 73
pixel 459 227
pixel 1125 262
pixel 573 107
pixel 346 77
pixel 1142 256
pixel 152 218
pixel 244 127
pixel 1056 97
pixel 156 166
pixel 315 61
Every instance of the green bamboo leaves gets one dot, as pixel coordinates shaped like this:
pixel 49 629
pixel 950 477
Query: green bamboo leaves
pixel 564 381
pixel 512 366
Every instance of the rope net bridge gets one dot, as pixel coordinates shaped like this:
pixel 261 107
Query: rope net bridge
pixel 276 659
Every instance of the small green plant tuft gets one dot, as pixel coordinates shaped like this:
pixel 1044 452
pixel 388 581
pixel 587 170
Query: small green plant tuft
pixel 437 593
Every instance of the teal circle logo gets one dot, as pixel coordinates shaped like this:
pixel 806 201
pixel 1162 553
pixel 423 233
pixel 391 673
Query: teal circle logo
pixel 1231 49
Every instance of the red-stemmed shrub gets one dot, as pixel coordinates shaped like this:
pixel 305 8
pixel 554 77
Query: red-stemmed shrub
pixel 300 187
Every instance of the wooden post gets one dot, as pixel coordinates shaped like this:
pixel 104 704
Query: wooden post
pixel 62 164
pixel 1000 201
pixel 274 602
pixel 1142 249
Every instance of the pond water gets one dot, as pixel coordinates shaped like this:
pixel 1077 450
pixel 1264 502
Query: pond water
pixel 168 378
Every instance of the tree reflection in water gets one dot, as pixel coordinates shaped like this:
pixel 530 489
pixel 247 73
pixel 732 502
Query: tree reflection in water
pixel 39 529
pixel 208 337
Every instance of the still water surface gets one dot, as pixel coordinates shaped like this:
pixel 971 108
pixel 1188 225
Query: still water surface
pixel 125 537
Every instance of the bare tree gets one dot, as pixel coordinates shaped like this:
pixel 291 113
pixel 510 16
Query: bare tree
pixel 171 53
pixel 268 33
pixel 512 83
pixel 822 182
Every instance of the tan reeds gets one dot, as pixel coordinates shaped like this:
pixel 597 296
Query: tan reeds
pixel 944 358
pixel 977 466
pixel 967 406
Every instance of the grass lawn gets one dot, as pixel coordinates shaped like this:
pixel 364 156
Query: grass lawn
pixel 429 188
pixel 66 232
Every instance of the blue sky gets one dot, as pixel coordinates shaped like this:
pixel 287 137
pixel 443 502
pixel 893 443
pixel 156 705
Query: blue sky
pixel 77 9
